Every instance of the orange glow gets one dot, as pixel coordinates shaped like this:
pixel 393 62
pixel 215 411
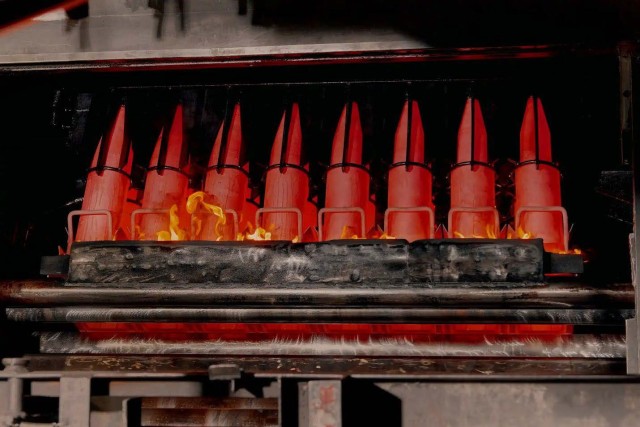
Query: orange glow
pixel 348 232
pixel 119 235
pixel 175 232
pixel 196 202
pixel 376 233
pixel 519 234
pixel 523 234
pixel 138 232
pixel 489 233
pixel 575 251
pixel 258 234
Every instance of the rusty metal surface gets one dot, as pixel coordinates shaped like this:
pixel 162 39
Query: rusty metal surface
pixel 587 346
pixel 210 402
pixel 209 417
pixel 38 293
pixel 335 366
pixel 324 404
pixel 325 314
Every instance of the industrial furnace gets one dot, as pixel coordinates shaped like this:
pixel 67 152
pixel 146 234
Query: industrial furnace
pixel 339 213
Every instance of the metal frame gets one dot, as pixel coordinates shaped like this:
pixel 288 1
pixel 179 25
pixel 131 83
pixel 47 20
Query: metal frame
pixel 457 390
pixel 215 34
pixel 477 384
pixel 630 139
pixel 85 212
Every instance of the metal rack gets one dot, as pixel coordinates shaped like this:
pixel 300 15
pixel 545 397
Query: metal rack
pixel 298 383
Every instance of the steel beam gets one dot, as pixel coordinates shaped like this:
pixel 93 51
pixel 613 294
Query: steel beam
pixel 326 315
pixel 574 346
pixel 559 295
pixel 629 136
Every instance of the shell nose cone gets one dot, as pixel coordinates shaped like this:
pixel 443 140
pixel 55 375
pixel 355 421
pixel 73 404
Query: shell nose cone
pixel 174 152
pixel 118 152
pixel 349 132
pixel 534 133
pixel 472 134
pixel 288 149
pixel 232 147
pixel 409 133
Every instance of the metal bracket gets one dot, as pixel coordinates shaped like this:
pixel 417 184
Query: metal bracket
pixel 550 209
pixel 357 210
pixel 224 372
pixel 86 212
pixel 140 212
pixel 295 211
pixel 480 209
pixel 416 209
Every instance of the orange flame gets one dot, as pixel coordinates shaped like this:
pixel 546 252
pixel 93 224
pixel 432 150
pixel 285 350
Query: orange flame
pixel 489 233
pixel 258 234
pixel 195 202
pixel 377 233
pixel 574 251
pixel 349 232
pixel 520 233
pixel 523 234
pixel 175 232
pixel 138 232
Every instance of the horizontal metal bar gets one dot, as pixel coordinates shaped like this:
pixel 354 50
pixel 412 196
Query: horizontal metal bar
pixel 286 55
pixel 119 36
pixel 575 346
pixel 208 417
pixel 314 315
pixel 363 366
pixel 497 295
pixel 209 402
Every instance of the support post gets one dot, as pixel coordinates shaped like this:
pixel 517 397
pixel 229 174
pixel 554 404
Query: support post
pixel 75 397
pixel 321 404
pixel 629 142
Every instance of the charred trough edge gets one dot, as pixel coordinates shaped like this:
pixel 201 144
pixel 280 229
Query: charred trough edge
pixel 483 368
pixel 340 261
pixel 576 346
pixel 314 315
pixel 495 295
